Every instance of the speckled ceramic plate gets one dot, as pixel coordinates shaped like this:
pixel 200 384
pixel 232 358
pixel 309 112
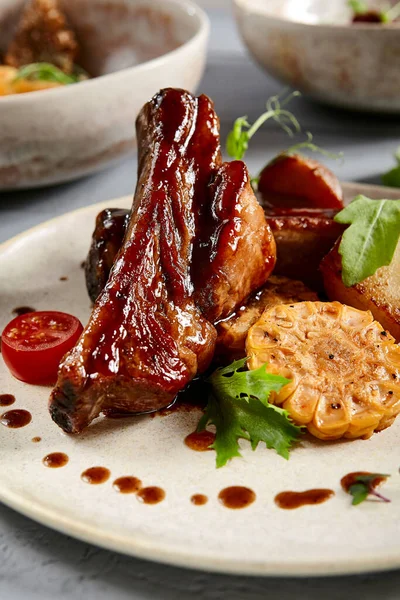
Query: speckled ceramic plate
pixel 260 539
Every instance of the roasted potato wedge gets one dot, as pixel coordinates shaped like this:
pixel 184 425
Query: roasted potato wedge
pixel 344 368
pixel 232 332
pixel 302 240
pixel 380 293
pixel 293 180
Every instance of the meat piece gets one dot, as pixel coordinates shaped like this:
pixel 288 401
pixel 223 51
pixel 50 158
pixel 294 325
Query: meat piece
pixel 236 252
pixel 344 372
pixel 232 332
pixel 293 180
pixel 43 36
pixel 234 255
pixel 107 239
pixel 147 338
pixel 379 293
pixel 303 238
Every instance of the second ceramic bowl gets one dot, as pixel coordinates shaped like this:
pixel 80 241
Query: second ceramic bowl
pixel 135 47
pixel 312 46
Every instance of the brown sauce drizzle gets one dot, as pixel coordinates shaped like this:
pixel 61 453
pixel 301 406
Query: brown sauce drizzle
pixel 63 278
pixel 6 399
pixel 291 500
pixel 200 441
pixel 351 478
pixel 199 499
pixel 95 475
pixel 36 439
pixel 55 460
pixel 236 497
pixel 151 495
pixel 127 485
pixel 193 397
pixel 23 310
pixel 14 419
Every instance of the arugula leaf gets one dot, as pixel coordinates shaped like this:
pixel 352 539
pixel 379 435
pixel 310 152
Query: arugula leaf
pixel 392 177
pixel 358 6
pixel 242 131
pixel 371 240
pixel 238 407
pixel 364 486
pixel 48 72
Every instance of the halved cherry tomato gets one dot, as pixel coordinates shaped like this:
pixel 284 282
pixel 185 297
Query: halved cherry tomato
pixel 33 344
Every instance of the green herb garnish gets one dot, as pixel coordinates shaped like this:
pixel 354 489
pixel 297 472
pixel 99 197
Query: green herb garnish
pixel 48 72
pixel 309 145
pixel 238 407
pixel 392 177
pixel 358 6
pixel 364 486
pixel 386 16
pixel 371 240
pixel 242 131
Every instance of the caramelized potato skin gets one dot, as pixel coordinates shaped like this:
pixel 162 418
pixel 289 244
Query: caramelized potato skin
pixel 380 293
pixel 302 241
pixel 298 181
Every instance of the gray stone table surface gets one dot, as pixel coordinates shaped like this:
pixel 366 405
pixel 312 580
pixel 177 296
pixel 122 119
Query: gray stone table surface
pixel 37 563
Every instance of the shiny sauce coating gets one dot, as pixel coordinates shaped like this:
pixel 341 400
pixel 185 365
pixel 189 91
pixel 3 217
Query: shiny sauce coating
pixel 55 460
pixel 14 419
pixel 199 499
pixel 6 399
pixel 351 478
pixel 291 500
pixel 95 475
pixel 236 497
pixel 23 310
pixel 200 441
pixel 127 485
pixel 151 495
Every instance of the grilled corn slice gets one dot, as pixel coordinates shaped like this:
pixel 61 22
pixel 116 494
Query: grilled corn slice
pixel 343 366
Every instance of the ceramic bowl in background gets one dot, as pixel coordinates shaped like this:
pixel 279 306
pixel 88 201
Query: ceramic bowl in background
pixel 134 48
pixel 312 46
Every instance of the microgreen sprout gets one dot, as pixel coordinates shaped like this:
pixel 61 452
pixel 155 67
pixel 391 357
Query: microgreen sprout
pixel 242 131
pixel 309 145
pixel 48 72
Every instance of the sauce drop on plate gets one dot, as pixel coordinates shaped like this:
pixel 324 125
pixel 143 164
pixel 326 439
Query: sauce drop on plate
pixel 199 499
pixel 55 460
pixel 6 399
pixel 351 478
pixel 127 485
pixel 291 500
pixel 151 495
pixel 23 310
pixel 236 497
pixel 14 419
pixel 36 439
pixel 200 441
pixel 96 475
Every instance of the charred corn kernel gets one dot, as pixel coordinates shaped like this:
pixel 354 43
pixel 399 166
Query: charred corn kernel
pixel 344 368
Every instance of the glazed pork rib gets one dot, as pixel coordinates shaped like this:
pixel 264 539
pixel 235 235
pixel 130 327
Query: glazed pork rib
pixel 147 337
